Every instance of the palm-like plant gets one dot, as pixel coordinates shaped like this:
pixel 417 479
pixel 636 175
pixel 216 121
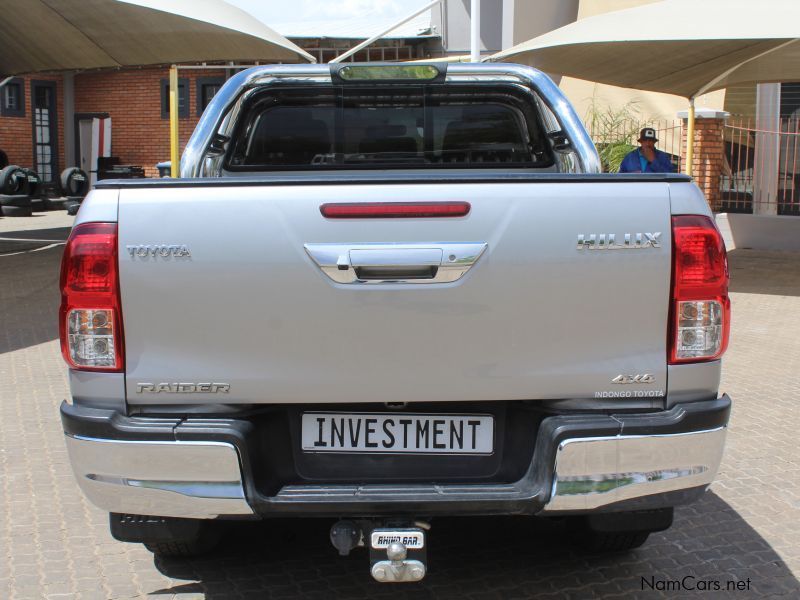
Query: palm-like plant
pixel 614 131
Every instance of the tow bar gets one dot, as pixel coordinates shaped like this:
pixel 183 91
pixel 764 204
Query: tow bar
pixel 397 549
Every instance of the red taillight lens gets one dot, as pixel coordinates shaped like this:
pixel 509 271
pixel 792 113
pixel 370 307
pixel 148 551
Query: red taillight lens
pixel 90 319
pixel 700 316
pixel 394 210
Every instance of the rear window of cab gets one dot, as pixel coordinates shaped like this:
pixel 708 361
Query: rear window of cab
pixel 390 126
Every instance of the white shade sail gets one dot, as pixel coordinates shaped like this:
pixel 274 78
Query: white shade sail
pixel 54 35
pixel 683 47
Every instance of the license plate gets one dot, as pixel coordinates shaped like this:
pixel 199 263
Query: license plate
pixel 397 433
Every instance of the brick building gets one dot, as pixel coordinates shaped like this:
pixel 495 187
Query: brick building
pixel 34 133
pixel 46 120
pixel 136 100
pixel 23 101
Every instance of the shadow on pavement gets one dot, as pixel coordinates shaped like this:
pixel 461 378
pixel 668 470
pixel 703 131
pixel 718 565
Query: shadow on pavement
pixel 493 557
pixel 765 272
pixel 20 241
pixel 29 296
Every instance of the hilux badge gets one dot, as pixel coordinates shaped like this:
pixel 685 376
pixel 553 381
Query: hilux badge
pixel 627 241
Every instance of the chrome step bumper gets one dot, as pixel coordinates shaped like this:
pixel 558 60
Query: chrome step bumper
pixel 203 468
pixel 593 473
pixel 201 480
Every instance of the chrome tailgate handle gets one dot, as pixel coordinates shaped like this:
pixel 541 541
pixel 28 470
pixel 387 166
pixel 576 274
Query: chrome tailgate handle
pixel 395 263
pixel 395 257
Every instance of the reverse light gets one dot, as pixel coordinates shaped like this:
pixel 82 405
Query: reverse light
pixel 700 309
pixel 90 317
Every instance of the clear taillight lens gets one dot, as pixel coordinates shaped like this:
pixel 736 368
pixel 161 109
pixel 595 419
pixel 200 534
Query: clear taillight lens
pixel 700 313
pixel 700 329
pixel 90 315
pixel 91 338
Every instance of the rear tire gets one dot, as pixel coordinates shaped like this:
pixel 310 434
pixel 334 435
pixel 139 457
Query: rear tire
pixel 606 542
pixel 167 536
pixel 184 549
pixel 617 532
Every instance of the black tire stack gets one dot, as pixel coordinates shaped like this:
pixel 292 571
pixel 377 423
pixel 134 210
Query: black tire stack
pixel 15 192
pixel 74 185
pixel 34 190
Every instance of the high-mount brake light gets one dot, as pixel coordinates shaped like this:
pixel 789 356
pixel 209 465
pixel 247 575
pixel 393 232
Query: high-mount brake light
pixel 700 313
pixel 389 72
pixel 394 210
pixel 90 317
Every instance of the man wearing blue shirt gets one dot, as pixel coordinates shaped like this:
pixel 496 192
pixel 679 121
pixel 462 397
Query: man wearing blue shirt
pixel 646 159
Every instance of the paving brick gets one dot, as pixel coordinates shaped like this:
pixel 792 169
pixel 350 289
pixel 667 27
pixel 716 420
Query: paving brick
pixel 55 543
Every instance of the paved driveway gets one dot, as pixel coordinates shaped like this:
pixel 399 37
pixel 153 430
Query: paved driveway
pixel 53 544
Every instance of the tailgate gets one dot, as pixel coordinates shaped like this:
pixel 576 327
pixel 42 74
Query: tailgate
pixel 534 317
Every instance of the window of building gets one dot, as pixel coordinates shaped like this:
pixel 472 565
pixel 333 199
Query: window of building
pixel 183 98
pixel 12 99
pixel 790 100
pixel 207 88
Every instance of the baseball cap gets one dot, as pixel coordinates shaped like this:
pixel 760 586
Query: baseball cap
pixel 648 133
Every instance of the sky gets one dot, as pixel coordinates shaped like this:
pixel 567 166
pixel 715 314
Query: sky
pixel 285 11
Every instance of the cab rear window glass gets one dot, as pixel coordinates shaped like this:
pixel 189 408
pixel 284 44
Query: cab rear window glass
pixel 389 127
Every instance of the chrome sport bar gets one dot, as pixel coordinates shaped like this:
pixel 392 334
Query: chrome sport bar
pixel 221 114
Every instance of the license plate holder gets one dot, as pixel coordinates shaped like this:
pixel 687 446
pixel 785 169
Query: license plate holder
pixel 397 433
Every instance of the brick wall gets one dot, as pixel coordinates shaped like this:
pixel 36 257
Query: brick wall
pixel 708 158
pixel 16 133
pixel 132 98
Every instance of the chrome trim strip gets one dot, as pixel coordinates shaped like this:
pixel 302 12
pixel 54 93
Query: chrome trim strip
pixel 593 472
pixel 228 101
pixel 168 479
pixel 446 262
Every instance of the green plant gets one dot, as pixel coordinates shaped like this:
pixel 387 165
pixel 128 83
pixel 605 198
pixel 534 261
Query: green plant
pixel 614 131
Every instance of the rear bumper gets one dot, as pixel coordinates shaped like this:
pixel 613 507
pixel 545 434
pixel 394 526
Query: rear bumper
pixel 204 468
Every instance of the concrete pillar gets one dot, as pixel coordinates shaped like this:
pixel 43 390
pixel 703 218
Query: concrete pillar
pixel 709 151
pixel 765 162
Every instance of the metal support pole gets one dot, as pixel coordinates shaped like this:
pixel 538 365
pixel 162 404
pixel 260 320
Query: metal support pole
pixel 475 31
pixel 367 42
pixel 690 138
pixel 175 168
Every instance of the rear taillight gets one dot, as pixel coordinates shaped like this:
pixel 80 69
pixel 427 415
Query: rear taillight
pixel 90 319
pixel 700 313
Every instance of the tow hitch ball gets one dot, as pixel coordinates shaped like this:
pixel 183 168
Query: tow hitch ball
pixel 397 551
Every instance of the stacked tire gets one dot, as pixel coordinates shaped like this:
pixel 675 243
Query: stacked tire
pixel 74 185
pixel 15 192
pixel 34 190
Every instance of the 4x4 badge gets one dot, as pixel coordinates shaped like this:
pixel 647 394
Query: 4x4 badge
pixel 645 378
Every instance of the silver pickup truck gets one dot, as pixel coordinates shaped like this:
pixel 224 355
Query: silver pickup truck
pixel 384 293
